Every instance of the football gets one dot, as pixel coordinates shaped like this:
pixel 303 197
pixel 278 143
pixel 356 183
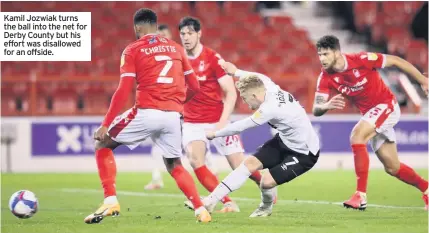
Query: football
pixel 23 204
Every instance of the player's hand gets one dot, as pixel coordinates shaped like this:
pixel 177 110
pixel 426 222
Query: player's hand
pixel 210 135
pixel 229 68
pixel 101 133
pixel 336 102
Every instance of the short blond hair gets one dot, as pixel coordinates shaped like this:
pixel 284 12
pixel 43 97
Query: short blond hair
pixel 249 82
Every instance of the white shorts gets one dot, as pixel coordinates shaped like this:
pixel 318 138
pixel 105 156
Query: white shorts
pixel 135 125
pixel 384 117
pixel 224 145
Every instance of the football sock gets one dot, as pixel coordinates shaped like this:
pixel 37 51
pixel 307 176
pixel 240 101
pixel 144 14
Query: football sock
pixel 361 159
pixel 106 170
pixel 186 184
pixel 409 176
pixel 156 176
pixel 232 182
pixel 111 200
pixel 209 180
pixel 256 176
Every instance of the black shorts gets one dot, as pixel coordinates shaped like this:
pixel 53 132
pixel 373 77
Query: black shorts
pixel 284 163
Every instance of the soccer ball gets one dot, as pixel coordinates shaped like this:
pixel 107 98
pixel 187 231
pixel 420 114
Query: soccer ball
pixel 23 204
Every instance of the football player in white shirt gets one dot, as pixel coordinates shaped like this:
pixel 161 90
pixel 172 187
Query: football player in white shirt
pixel 289 154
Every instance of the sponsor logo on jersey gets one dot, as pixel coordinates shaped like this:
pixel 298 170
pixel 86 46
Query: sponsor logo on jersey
pixel 357 87
pixel 344 89
pixel 364 80
pixel 202 78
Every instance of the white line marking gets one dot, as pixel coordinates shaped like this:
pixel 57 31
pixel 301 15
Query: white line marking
pixel 172 195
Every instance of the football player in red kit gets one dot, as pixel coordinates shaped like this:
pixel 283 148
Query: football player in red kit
pixel 162 73
pixel 210 109
pixel 354 76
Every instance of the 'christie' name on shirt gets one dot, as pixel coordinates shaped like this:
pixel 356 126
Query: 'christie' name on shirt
pixel 159 49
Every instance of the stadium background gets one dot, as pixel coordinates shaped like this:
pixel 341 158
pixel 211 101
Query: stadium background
pixel 50 109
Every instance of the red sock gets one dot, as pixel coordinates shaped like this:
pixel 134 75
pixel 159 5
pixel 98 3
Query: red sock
pixel 256 176
pixel 209 180
pixel 361 158
pixel 409 176
pixel 106 170
pixel 186 184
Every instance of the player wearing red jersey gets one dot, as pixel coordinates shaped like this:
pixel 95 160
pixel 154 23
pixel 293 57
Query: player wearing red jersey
pixel 161 71
pixel 156 152
pixel 157 182
pixel 355 77
pixel 210 109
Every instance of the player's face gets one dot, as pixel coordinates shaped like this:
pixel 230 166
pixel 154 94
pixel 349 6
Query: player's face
pixel 165 33
pixel 189 37
pixel 327 58
pixel 251 99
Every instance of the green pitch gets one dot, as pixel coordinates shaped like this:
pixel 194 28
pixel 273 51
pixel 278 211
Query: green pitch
pixel 65 199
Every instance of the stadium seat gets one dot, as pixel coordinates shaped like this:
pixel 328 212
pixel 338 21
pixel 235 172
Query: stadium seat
pixel 272 46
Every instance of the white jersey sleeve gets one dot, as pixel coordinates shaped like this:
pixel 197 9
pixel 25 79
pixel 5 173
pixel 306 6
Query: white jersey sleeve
pixel 268 83
pixel 260 117
pixel 236 127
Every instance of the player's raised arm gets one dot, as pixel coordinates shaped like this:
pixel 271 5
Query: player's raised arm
pixel 226 82
pixel 391 60
pixel 321 99
pixel 119 98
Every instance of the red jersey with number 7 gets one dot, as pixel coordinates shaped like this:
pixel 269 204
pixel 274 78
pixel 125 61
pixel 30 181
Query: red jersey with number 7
pixel 161 70
pixel 359 81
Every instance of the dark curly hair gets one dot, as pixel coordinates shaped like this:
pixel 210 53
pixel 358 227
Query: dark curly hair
pixel 328 42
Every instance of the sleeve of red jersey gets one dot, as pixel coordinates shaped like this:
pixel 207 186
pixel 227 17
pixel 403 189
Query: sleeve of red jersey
pixel 219 71
pixel 190 76
pixel 322 84
pixel 119 98
pixel 372 60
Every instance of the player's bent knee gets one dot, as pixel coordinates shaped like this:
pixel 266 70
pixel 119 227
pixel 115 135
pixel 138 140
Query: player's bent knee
pixel 107 143
pixel 356 138
pixel 171 163
pixel 253 164
pixel 195 152
pixel 267 181
pixel 100 145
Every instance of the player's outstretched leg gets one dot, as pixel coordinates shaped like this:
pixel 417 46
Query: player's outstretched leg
pixel 156 182
pixel 360 136
pixel 388 155
pixel 107 171
pixel 196 151
pixel 232 182
pixel 236 159
pixel 187 185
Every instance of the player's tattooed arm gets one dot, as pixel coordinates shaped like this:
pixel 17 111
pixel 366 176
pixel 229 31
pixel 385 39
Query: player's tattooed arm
pixel 322 105
pixel 318 105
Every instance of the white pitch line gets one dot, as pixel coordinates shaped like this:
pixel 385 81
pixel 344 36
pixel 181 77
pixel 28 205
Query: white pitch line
pixel 142 194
